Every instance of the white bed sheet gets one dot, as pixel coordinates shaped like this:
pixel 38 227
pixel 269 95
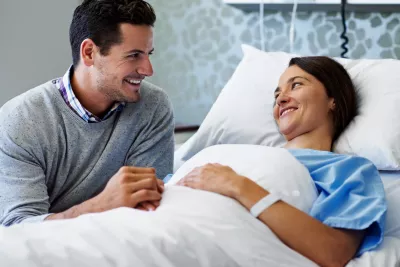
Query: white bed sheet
pixel 391 181
pixel 180 233
pixel 121 238
pixel 168 237
pixel 388 254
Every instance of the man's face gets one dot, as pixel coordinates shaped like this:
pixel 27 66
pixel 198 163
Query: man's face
pixel 119 74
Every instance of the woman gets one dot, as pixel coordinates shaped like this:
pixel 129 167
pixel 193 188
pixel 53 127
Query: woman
pixel 315 101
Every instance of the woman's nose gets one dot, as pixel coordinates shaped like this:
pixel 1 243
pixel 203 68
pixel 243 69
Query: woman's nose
pixel 282 99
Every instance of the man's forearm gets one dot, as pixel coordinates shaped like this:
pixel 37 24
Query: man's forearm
pixel 86 207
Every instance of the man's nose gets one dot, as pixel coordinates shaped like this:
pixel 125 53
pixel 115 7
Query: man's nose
pixel 146 68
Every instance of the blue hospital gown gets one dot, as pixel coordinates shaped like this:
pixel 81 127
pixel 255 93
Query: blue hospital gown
pixel 350 193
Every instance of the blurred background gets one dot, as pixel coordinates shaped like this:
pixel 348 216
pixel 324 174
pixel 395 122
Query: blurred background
pixel 197 44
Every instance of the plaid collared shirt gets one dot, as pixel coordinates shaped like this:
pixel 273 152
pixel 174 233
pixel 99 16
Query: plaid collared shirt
pixel 64 85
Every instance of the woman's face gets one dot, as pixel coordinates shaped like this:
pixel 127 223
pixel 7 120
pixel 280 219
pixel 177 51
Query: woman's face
pixel 302 105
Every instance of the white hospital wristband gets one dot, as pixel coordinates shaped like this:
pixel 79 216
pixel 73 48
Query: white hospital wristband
pixel 264 204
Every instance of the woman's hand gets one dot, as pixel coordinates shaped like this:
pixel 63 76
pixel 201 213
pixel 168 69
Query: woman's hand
pixel 214 178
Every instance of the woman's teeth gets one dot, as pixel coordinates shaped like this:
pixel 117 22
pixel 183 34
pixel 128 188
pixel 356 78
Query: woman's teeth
pixel 288 110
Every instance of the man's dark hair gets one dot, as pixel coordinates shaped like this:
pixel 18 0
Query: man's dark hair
pixel 99 20
pixel 338 85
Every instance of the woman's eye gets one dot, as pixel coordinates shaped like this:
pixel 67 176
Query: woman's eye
pixel 276 96
pixel 294 85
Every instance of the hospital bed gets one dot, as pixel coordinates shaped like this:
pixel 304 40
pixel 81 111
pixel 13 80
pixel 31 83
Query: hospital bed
pixel 203 230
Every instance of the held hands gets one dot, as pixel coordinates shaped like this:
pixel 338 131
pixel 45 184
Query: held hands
pixel 132 187
pixel 214 178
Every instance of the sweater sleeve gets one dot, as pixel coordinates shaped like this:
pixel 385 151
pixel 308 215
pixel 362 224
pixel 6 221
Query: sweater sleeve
pixel 155 145
pixel 23 191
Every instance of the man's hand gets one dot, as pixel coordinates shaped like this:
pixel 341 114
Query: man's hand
pixel 132 187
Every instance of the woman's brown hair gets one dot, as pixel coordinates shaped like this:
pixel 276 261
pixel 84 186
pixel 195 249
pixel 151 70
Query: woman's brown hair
pixel 338 85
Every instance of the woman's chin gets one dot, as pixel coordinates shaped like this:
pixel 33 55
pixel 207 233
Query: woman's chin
pixel 286 129
pixel 288 132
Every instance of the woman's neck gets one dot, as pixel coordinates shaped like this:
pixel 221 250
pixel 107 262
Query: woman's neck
pixel 317 140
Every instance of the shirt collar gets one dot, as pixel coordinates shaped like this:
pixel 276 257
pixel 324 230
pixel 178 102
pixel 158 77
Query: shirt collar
pixel 70 99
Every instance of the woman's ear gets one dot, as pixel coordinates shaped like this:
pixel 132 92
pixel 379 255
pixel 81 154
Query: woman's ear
pixel 332 105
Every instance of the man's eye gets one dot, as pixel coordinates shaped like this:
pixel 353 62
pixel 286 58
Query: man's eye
pixel 276 96
pixel 134 55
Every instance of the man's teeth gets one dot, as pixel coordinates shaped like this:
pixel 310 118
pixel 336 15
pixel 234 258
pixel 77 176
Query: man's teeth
pixel 288 110
pixel 135 82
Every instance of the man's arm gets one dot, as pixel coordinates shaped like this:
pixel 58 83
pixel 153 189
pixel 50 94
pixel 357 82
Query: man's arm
pixel 23 191
pixel 155 147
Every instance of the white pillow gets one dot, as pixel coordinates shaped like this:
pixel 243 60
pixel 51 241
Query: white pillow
pixel 242 114
pixel 275 169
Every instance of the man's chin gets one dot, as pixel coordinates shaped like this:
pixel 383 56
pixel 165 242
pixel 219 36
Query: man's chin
pixel 131 92
pixel 133 98
pixel 131 95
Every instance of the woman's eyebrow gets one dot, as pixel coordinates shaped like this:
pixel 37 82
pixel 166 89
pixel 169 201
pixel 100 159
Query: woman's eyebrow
pixel 278 89
pixel 297 77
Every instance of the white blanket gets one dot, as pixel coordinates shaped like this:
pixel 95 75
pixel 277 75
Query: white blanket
pixel 190 228
pixel 184 231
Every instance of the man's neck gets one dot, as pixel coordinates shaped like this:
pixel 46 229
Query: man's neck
pixel 87 94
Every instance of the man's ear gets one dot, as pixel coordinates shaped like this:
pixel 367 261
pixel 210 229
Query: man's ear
pixel 88 50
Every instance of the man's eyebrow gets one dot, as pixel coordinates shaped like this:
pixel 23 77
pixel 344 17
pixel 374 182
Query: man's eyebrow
pixel 135 51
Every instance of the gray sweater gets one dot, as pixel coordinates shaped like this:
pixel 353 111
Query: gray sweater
pixel 51 159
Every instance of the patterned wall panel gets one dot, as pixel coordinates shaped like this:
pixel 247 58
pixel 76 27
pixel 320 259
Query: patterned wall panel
pixel 198 45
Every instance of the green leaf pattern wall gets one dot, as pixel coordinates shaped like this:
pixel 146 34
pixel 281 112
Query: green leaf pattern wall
pixel 198 42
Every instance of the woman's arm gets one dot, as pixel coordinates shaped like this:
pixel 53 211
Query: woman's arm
pixel 322 244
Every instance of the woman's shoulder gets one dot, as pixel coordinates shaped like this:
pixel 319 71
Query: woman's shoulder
pixel 316 159
pixel 323 154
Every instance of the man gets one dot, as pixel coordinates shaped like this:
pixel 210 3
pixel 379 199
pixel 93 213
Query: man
pixel 97 138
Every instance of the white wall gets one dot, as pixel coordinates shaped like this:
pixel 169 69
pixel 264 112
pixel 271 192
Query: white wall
pixel 34 43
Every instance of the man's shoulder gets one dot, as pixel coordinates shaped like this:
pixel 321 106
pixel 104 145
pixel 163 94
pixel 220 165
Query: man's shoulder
pixel 154 104
pixel 31 103
pixel 152 98
pixel 152 93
